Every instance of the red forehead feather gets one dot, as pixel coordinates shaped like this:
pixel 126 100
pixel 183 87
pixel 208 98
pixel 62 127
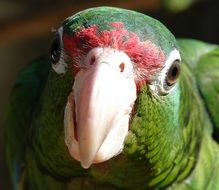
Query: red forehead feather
pixel 146 55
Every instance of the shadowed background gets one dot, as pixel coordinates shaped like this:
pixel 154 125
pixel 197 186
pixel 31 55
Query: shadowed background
pixel 26 31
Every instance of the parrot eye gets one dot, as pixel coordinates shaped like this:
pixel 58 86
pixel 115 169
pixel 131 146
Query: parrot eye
pixel 57 54
pixel 166 79
pixel 173 73
pixel 55 50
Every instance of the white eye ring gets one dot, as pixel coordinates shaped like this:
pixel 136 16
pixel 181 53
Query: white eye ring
pixel 59 65
pixel 158 84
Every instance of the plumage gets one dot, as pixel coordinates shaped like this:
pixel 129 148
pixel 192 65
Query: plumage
pixel 108 111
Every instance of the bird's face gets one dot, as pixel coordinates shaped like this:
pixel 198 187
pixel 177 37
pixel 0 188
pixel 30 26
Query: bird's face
pixel 110 65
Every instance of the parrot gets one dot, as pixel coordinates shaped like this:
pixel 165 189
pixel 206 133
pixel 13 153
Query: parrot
pixel 118 103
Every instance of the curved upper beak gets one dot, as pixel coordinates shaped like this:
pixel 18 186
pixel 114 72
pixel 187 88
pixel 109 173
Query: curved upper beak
pixel 103 98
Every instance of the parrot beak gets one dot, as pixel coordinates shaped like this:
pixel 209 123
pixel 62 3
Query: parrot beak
pixel 98 108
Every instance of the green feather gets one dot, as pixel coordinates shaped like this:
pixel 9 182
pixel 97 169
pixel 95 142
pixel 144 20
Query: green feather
pixel 24 97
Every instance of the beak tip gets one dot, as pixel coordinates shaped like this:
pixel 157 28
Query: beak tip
pixel 85 165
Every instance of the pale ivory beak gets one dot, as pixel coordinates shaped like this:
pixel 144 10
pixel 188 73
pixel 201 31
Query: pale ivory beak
pixel 98 109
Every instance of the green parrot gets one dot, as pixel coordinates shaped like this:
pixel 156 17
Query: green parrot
pixel 118 104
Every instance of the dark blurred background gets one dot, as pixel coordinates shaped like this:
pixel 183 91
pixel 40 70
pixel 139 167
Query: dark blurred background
pixel 25 34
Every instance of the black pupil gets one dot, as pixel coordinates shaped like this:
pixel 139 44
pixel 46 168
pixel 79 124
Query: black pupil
pixel 174 71
pixel 55 50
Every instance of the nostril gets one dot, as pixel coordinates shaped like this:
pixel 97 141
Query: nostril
pixel 122 67
pixel 92 60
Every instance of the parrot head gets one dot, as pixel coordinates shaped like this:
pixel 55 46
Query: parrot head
pixel 123 69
